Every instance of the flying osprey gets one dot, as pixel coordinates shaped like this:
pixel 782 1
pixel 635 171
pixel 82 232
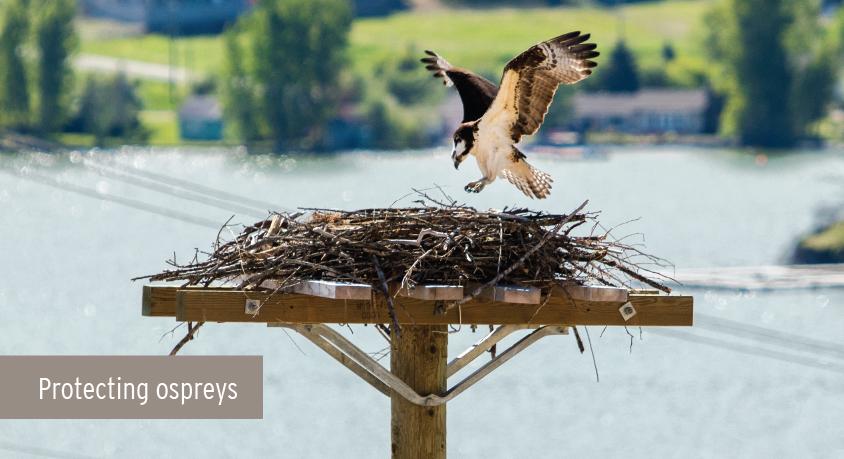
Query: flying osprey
pixel 495 119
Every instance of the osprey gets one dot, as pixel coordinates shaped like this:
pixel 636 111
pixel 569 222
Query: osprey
pixel 495 119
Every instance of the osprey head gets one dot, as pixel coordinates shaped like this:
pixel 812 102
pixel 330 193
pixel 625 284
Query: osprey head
pixel 464 142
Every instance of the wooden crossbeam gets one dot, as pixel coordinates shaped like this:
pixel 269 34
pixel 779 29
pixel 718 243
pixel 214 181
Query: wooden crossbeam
pixel 562 308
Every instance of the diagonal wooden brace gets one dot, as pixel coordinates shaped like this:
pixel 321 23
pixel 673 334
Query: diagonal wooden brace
pixel 367 368
pixel 483 345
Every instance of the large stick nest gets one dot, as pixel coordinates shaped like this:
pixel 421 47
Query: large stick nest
pixel 435 243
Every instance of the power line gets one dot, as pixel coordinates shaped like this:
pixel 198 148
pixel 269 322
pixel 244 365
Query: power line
pixel 188 195
pixel 219 194
pixel 39 452
pixel 748 349
pixel 140 205
pixel 783 339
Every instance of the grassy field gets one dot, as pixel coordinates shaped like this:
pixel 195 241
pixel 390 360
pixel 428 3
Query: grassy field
pixel 477 38
pixel 163 126
pixel 480 39
pixel 486 39
pixel 201 54
pixel 156 95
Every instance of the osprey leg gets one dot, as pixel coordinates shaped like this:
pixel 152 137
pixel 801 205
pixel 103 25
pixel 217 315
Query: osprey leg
pixel 476 187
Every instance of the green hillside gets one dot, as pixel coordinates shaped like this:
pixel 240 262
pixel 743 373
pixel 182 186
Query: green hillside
pixel 486 39
pixel 481 39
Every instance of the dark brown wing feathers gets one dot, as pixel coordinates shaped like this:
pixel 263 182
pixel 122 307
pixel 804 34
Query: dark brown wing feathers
pixel 476 92
pixel 541 69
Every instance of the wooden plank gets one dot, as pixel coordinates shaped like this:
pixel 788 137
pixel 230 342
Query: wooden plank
pixel 333 290
pixel 434 292
pixel 159 301
pixel 512 294
pixel 228 306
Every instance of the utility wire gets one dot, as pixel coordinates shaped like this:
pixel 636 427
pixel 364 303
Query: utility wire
pixel 219 194
pixel 749 349
pixel 36 451
pixel 171 190
pixel 140 205
pixel 783 339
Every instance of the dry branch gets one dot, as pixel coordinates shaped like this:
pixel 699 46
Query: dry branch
pixel 436 243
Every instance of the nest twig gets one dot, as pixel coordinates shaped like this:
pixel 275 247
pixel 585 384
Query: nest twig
pixel 434 243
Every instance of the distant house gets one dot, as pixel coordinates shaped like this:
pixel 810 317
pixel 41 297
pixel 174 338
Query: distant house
pixel 201 118
pixel 170 16
pixel 649 111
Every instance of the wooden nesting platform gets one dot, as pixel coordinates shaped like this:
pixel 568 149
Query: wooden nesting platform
pixel 417 381
pixel 322 302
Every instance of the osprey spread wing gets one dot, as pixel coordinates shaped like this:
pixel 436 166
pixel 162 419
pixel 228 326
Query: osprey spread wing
pixel 495 119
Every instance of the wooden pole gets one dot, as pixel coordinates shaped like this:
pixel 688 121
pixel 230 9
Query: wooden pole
pixel 418 356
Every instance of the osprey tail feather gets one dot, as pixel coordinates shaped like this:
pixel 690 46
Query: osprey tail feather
pixel 531 181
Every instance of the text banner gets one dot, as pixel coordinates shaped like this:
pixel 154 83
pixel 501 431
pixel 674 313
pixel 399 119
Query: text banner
pixel 131 387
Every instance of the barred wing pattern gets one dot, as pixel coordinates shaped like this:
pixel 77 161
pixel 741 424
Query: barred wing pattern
pixel 532 78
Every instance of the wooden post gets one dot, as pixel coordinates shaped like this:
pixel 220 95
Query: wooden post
pixel 418 356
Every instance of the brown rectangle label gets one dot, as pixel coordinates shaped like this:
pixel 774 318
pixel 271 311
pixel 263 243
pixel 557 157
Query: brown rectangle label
pixel 131 387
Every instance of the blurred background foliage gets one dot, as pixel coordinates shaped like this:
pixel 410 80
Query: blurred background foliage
pixel 329 74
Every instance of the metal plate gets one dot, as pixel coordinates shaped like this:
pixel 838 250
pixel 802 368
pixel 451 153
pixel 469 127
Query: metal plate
pixel 434 292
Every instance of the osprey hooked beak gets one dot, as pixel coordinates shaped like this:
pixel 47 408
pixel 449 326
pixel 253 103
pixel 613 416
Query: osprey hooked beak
pixel 458 153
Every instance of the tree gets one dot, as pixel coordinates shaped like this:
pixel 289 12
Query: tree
pixel 396 103
pixel 110 108
pixel 125 109
pixel 239 92
pixel 668 53
pixel 394 126
pixel 299 51
pixel 14 87
pixel 813 88
pixel 384 129
pixel 55 39
pixel 405 79
pixel 763 75
pixel 621 73
pixel 776 70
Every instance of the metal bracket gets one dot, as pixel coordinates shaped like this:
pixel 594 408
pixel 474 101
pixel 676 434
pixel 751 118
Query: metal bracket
pixel 368 369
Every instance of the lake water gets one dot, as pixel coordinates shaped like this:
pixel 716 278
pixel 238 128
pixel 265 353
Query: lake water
pixel 76 227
